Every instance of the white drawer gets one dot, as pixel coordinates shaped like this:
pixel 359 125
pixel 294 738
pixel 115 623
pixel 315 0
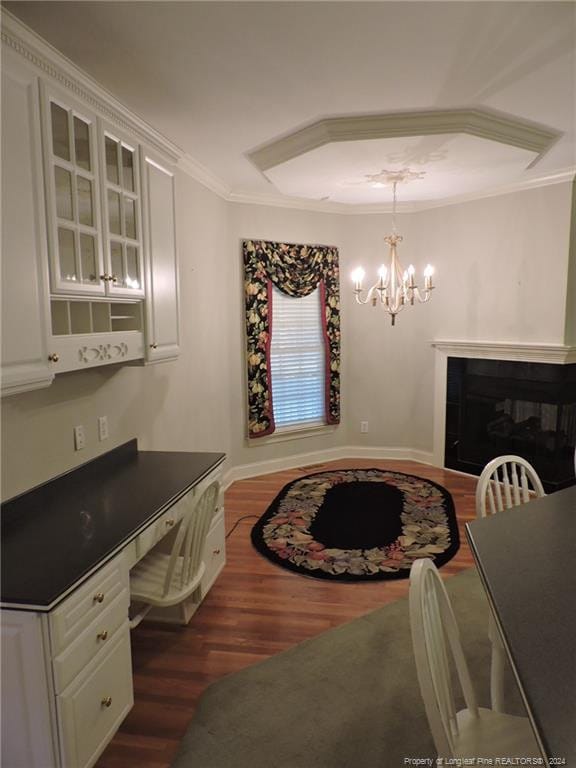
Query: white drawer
pixel 163 525
pixel 87 603
pixel 215 553
pixel 94 640
pixel 91 709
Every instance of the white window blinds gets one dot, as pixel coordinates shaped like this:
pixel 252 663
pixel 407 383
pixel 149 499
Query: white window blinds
pixel 297 360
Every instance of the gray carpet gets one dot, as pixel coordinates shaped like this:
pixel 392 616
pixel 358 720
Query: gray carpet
pixel 348 698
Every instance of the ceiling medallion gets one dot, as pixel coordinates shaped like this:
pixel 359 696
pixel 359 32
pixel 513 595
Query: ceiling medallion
pixel 395 288
pixel 387 178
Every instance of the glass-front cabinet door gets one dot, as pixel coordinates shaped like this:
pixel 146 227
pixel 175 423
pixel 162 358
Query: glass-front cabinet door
pixel 73 197
pixel 121 204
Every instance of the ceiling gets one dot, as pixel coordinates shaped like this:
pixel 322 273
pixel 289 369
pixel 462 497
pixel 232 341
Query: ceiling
pixel 223 80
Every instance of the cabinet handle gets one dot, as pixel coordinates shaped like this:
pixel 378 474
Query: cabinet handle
pixel 215 551
pixel 102 635
pixel 170 522
pixel 106 701
pixel 54 357
pixel 99 597
pixel 154 346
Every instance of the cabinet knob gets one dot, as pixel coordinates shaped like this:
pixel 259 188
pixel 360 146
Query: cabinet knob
pixel 54 357
pixel 105 277
pixel 99 597
pixel 154 346
pixel 170 522
pixel 102 635
pixel 113 278
pixel 106 701
pixel 215 551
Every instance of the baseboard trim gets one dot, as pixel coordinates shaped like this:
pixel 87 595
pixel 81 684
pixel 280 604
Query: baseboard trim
pixel 245 471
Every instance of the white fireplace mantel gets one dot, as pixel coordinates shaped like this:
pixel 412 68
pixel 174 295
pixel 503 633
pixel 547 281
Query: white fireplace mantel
pixel 489 350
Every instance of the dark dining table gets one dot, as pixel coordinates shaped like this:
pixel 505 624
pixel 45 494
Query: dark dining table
pixel 526 557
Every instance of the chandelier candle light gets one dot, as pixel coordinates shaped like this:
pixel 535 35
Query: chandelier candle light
pixel 395 287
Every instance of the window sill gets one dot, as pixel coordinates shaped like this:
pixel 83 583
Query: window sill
pixel 289 433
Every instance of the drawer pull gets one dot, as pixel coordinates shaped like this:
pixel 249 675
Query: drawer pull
pixel 170 522
pixel 106 701
pixel 99 597
pixel 215 551
pixel 102 635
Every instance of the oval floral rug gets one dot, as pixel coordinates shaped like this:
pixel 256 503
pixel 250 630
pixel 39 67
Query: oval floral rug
pixel 358 525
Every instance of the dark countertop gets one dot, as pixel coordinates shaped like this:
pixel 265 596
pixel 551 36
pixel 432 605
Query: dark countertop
pixel 526 557
pixel 56 534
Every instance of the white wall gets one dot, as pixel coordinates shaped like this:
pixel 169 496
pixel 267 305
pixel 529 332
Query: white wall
pixel 180 405
pixel 502 274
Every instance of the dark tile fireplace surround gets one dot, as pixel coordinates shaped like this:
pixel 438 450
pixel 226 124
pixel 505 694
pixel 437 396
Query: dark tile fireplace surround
pixel 496 407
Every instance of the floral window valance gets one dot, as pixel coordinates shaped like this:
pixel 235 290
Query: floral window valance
pixel 296 270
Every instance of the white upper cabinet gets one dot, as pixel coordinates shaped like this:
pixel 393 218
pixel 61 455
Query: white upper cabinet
pixel 122 204
pixel 25 313
pixel 162 320
pixel 89 267
pixel 72 195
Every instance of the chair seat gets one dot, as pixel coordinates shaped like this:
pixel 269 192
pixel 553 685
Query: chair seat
pixel 148 576
pixel 504 735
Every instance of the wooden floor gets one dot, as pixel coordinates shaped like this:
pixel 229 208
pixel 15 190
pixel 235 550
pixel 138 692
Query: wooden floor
pixel 254 610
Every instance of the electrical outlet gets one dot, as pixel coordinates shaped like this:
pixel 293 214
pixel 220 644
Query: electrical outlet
pixel 364 426
pixel 102 427
pixel 79 438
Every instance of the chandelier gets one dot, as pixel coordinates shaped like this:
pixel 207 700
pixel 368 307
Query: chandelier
pixel 395 288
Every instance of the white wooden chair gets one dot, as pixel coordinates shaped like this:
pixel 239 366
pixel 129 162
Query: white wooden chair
pixel 505 482
pixel 473 732
pixel 165 579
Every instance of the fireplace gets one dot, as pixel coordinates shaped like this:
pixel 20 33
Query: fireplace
pixel 496 407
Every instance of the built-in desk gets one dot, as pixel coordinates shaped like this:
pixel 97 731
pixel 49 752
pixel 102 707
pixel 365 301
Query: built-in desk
pixel 67 548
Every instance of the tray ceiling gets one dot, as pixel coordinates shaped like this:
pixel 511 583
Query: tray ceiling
pixel 226 81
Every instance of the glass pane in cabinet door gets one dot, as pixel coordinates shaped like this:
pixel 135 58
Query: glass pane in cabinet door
pixel 117 262
pixel 111 160
pixel 60 135
pixel 67 254
pixel 129 218
pixel 114 212
pixel 85 212
pixel 128 169
pixel 88 259
pixel 82 143
pixel 132 268
pixel 63 181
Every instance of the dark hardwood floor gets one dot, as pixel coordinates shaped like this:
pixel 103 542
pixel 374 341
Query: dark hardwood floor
pixel 254 610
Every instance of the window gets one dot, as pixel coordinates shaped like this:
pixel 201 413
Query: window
pixel 297 361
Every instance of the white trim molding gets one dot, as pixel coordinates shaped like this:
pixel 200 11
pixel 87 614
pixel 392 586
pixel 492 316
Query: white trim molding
pixel 302 460
pixel 497 350
pixel 51 63
pixel 558 354
pixel 480 122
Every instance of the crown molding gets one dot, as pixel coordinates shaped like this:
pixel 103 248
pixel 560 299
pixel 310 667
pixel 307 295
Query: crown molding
pixel 53 64
pixel 191 167
pixel 480 122
pixel 495 350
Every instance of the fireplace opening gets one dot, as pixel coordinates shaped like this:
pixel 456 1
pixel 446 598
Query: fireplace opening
pixel 497 407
